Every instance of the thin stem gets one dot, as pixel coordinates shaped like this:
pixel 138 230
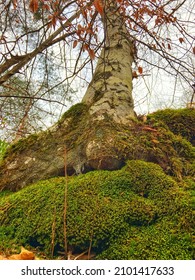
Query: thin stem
pixel 65 204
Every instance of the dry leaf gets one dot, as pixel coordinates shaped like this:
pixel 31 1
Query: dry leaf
pixel 134 74
pixel 75 44
pixel 91 53
pixel 34 6
pixel 99 6
pixel 140 69
pixel 24 255
pixel 181 40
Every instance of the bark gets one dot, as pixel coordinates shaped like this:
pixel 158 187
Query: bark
pixel 110 91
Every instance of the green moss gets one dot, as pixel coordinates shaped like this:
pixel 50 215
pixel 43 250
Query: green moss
pixel 3 147
pixel 180 121
pixel 5 193
pixel 159 241
pixel 156 144
pixel 21 145
pixel 74 121
pixel 103 208
pixel 75 111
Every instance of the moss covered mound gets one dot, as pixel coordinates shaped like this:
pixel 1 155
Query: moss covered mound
pixel 93 144
pixel 137 212
pixel 179 121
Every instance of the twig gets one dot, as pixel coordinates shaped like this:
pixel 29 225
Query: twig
pixel 65 204
pixel 80 255
pixel 90 246
pixel 53 232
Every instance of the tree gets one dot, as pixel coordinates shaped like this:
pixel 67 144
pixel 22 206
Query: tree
pixel 153 26
pixel 89 131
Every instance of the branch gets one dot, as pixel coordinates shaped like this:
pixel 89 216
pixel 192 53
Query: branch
pixel 21 61
pixel 31 97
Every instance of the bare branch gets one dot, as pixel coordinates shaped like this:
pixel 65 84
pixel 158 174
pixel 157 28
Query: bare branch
pixel 21 61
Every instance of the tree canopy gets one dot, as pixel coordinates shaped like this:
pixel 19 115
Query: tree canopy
pixel 48 43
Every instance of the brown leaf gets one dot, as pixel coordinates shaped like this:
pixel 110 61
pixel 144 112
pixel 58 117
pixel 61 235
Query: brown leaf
pixel 33 6
pixel 75 44
pixel 181 40
pixel 91 53
pixel 134 74
pixel 140 70
pixel 193 50
pixel 99 6
pixel 46 7
pixel 53 21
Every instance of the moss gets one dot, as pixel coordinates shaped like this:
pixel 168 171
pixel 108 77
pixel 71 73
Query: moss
pixel 156 144
pixel 180 121
pixel 73 121
pixel 103 208
pixel 75 111
pixel 150 143
pixel 5 193
pixel 3 147
pixel 160 241
pixel 21 145
pixel 93 144
pixel 181 125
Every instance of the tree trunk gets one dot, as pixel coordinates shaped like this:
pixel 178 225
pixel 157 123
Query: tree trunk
pixel 110 91
pixel 92 132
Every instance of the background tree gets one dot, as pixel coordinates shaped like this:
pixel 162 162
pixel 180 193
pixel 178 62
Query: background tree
pixel 37 35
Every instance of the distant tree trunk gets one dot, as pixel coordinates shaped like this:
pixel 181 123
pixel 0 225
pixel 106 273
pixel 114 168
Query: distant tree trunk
pixel 110 91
